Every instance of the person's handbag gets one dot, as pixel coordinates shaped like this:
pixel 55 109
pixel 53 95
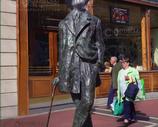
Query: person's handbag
pixel 118 108
pixel 132 90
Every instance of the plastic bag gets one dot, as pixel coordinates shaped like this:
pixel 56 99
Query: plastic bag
pixel 141 93
pixel 118 108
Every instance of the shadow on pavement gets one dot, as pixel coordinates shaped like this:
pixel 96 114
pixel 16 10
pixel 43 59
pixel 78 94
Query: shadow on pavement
pixel 142 116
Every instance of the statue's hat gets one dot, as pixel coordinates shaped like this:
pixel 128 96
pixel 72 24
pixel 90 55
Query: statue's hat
pixel 77 3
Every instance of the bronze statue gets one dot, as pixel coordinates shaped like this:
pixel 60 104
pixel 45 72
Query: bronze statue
pixel 81 52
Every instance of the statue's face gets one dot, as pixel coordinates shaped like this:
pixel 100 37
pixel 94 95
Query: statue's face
pixel 77 3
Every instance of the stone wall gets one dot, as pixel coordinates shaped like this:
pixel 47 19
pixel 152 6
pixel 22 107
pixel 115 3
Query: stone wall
pixel 8 60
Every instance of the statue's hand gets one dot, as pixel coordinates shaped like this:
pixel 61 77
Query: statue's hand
pixel 55 81
pixel 100 66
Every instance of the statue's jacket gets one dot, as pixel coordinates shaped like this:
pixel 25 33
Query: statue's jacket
pixel 80 40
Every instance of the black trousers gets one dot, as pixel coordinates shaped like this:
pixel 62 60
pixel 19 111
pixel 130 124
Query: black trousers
pixel 129 110
pixel 111 95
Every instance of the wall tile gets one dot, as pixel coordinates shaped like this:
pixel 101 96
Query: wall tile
pixel 8 6
pixel 8 46
pixel 9 112
pixel 8 32
pixel 8 86
pixel 8 72
pixel 8 59
pixel 8 19
pixel 9 99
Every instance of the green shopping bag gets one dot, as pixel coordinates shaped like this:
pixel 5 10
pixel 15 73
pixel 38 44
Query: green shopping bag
pixel 141 94
pixel 143 88
pixel 118 108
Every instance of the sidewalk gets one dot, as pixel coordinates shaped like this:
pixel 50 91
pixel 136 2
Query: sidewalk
pixel 62 115
pixel 66 101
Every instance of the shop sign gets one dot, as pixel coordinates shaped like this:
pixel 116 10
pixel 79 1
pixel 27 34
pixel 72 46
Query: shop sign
pixel 119 15
pixel 122 31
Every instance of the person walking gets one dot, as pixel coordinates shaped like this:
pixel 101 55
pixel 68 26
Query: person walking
pixel 116 67
pixel 126 76
pixel 81 54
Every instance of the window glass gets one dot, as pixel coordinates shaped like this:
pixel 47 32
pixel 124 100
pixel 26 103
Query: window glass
pixel 39 55
pixel 40 50
pixel 121 29
pixel 123 40
pixel 43 18
pixel 154 38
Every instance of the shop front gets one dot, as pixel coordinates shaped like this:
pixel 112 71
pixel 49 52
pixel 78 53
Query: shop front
pixel 128 27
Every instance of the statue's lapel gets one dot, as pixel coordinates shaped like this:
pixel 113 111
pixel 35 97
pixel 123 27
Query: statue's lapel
pixel 76 27
pixel 70 22
pixel 83 22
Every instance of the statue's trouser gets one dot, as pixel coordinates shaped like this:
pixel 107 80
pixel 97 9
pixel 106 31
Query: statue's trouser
pixel 84 100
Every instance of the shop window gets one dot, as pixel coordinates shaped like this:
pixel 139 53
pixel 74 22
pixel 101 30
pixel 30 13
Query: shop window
pixel 43 19
pixel 154 39
pixel 123 40
pixel 39 55
pixel 121 30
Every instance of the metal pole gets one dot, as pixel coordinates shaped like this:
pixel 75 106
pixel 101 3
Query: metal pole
pixel 53 94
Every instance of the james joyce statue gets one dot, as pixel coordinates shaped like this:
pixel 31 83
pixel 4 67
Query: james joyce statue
pixel 81 50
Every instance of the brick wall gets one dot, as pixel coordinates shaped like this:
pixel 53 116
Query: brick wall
pixel 8 59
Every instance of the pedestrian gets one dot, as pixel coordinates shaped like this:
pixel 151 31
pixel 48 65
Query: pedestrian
pixel 81 52
pixel 116 67
pixel 126 76
pixel 107 67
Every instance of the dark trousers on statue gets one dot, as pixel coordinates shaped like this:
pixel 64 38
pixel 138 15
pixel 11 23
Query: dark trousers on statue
pixel 82 117
pixel 85 99
pixel 111 95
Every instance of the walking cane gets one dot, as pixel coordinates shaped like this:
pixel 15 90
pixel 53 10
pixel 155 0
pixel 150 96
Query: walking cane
pixel 53 94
